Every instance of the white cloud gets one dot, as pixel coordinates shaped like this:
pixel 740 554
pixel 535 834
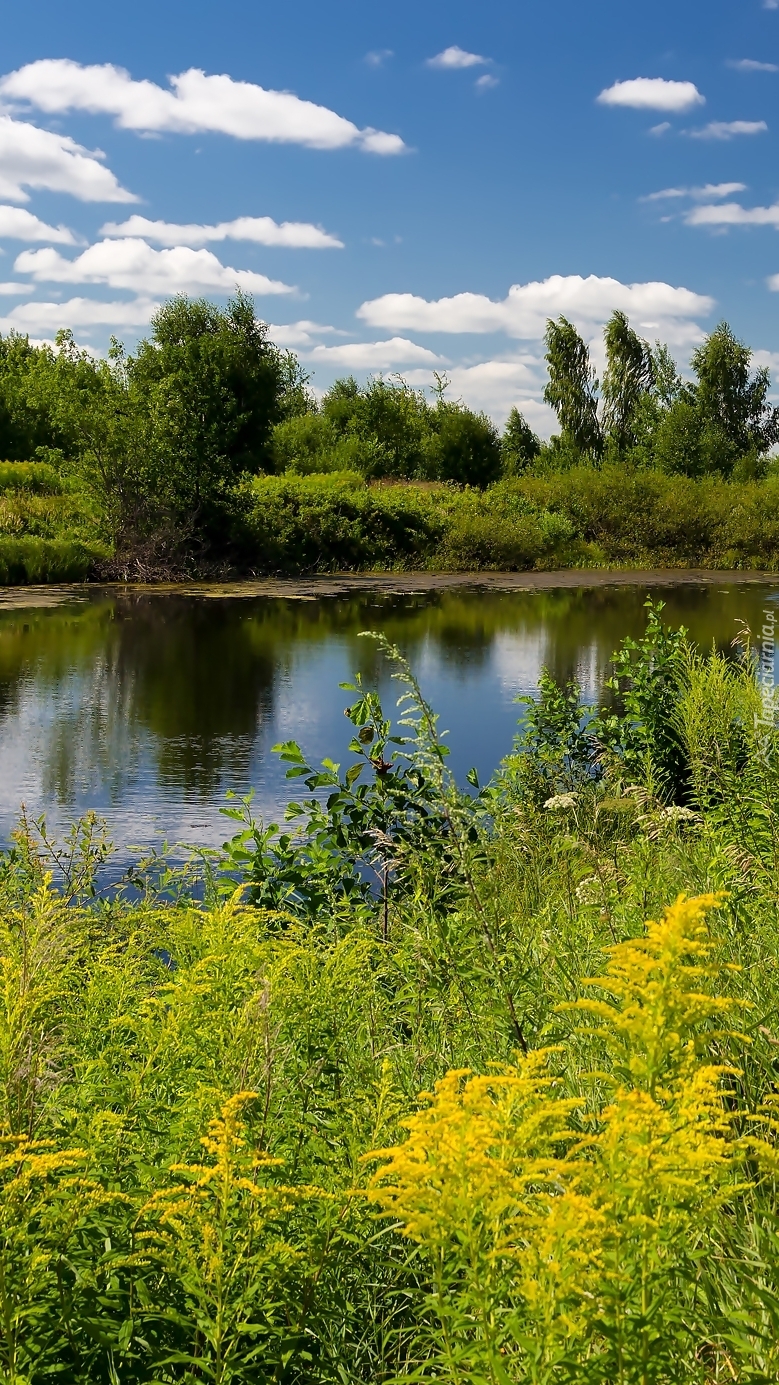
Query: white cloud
pixel 771 4
pixel 195 103
pixel 378 56
pixel 374 355
pixel 661 128
pixel 708 193
pixel 300 334
pixel 44 319
pixel 733 214
pixel 497 386
pixel 728 129
pixel 656 309
pixel 18 224
pixel 486 82
pixel 14 289
pixel 261 230
pixel 652 94
pixel 751 65
pixel 35 158
pixel 766 358
pixel 453 58
pixel 132 264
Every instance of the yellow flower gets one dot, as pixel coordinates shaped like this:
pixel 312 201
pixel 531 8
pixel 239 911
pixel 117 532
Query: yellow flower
pixel 657 986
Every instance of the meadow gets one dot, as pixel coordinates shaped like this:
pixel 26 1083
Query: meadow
pixel 427 1082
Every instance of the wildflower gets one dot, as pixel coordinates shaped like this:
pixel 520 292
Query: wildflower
pixel 657 985
pixel 560 801
pixel 476 1149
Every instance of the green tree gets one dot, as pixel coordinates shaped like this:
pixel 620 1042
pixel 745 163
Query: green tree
pixel 629 376
pixel 572 387
pixel 733 403
pixel 391 421
pixel 519 445
pixel 214 387
pixel 464 446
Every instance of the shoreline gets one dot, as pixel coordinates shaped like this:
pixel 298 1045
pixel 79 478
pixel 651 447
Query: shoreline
pixel 387 583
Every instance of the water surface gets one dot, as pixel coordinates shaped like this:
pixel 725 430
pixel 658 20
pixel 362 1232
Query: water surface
pixel 149 706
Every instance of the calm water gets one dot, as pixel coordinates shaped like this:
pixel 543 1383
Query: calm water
pixel 149 708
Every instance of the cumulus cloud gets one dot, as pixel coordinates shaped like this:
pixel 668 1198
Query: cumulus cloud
pixel 18 224
pixel 261 230
pixel 195 103
pixel 656 309
pixel 652 94
pixel 13 289
pixel 751 65
pixel 300 334
pixel 41 159
pixel 660 129
pixel 132 264
pixel 498 386
pixel 41 319
pixel 770 359
pixel 729 129
pixel 486 82
pixel 455 58
pixel 733 214
pixel 374 355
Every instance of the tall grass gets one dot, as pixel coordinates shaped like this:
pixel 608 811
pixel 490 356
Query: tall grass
pixel 411 1089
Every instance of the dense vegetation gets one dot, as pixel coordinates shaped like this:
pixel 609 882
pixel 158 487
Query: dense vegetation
pixel 216 1162
pixel 205 452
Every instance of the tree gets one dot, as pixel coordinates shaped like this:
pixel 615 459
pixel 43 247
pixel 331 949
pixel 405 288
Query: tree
pixel 732 402
pixel 572 388
pixel 389 419
pixel 214 387
pixel 629 376
pixel 520 445
pixel 464 447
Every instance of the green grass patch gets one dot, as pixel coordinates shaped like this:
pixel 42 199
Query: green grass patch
pixel 34 560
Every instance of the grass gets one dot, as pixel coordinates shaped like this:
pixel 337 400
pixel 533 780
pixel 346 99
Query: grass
pixel 215 1161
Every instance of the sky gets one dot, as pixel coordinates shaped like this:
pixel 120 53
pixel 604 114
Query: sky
pixel 411 188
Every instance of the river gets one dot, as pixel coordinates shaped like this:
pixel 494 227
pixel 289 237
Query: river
pixel 149 704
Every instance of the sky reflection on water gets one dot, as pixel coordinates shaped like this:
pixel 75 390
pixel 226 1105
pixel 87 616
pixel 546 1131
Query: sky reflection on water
pixel 148 708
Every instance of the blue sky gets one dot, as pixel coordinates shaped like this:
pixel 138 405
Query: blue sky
pixel 441 178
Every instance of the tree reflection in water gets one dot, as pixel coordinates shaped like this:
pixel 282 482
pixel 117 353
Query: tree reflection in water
pixel 148 707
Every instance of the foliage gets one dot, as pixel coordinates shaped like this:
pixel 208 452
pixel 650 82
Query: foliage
pixel 389 429
pixel 208 1169
pixel 571 388
pixel 519 444
pixel 324 522
pixel 629 376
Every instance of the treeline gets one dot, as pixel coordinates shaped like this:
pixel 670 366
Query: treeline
pixel 159 461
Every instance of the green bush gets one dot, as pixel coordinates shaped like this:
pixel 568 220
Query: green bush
pixel 338 521
pixel 321 523
pixel 647 518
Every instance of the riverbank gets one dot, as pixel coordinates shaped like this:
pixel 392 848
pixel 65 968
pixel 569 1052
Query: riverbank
pixel 41 596
pixel 581 519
